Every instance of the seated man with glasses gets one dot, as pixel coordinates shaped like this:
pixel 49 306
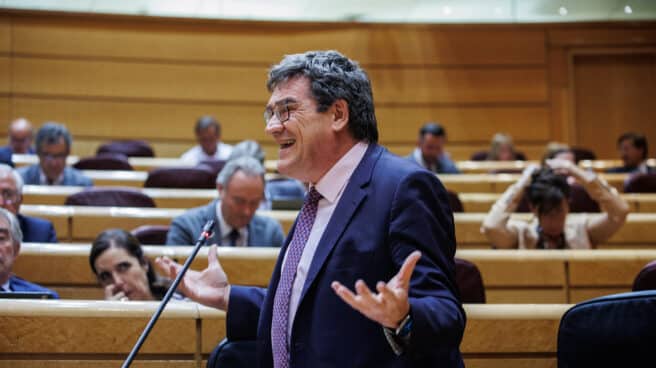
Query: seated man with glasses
pixel 35 230
pixel 53 144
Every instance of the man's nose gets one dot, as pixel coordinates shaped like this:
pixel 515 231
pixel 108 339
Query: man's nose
pixel 274 127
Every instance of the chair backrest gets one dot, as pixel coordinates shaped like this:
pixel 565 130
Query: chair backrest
pixel 612 331
pixel 215 166
pixel 581 153
pixel 151 234
pixel 234 354
pixel 469 282
pixel 181 177
pixel 115 197
pixel 646 279
pixel 285 193
pixel 454 202
pixel 640 183
pixel 105 161
pixel 130 148
pixel 580 200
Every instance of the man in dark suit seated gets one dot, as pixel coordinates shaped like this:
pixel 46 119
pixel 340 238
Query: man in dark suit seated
pixel 370 221
pixel 634 150
pixel 35 230
pixel 241 189
pixel 430 153
pixel 53 145
pixel 10 242
pixel 20 137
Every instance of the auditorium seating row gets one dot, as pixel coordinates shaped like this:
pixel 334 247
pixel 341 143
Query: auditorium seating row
pixel 467 167
pixel 509 276
pixel 188 198
pixel 101 333
pixel 82 224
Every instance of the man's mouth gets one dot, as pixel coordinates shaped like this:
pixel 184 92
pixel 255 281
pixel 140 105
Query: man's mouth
pixel 287 143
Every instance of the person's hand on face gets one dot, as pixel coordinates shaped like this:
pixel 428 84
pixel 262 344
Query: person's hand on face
pixel 113 292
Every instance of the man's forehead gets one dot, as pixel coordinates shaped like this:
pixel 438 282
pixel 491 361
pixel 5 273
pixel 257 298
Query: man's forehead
pixel 296 88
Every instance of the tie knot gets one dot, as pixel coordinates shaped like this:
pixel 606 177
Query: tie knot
pixel 233 236
pixel 313 197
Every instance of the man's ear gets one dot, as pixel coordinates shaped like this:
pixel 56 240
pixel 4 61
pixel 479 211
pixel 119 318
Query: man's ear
pixel 340 115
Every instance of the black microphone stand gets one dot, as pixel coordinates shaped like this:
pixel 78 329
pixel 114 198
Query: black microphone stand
pixel 202 239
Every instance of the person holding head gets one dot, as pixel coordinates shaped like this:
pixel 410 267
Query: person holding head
pixel 210 147
pixel 502 148
pixel 633 150
pixel 20 136
pixel 551 228
pixel 35 230
pixel 122 269
pixel 558 151
pixel 430 152
pixel 241 189
pixel 369 220
pixel 11 238
pixel 53 145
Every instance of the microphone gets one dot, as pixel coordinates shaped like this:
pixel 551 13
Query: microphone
pixel 205 234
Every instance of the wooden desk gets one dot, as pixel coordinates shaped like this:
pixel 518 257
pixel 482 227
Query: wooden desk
pixel 510 276
pixel 482 202
pixel 79 223
pixel 498 183
pixel 101 333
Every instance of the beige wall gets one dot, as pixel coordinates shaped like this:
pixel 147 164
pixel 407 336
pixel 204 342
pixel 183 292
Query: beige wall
pixel 132 77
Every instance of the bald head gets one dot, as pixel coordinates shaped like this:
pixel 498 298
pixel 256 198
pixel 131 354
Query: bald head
pixel 20 135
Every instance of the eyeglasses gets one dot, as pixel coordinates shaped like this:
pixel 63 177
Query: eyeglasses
pixel 9 196
pixel 53 157
pixel 281 112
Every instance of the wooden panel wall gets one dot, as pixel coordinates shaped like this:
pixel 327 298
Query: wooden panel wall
pixel 132 77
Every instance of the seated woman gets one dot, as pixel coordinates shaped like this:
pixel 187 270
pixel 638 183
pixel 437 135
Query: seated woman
pixel 117 260
pixel 502 149
pixel 548 191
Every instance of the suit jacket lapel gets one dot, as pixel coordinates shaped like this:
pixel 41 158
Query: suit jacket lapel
pixel 354 193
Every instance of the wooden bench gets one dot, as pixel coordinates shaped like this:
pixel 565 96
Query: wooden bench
pixel 510 276
pixel 101 334
pixel 482 202
pixel 81 224
pixel 498 183
pixel 188 198
pixel 163 197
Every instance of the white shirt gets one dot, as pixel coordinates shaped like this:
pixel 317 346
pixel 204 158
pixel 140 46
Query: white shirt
pixel 226 229
pixel 43 180
pixel 331 187
pixel 195 154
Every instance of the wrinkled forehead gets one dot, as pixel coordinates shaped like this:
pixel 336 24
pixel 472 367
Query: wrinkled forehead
pixel 295 89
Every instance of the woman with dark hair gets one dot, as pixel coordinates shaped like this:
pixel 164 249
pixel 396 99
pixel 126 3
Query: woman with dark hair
pixel 117 260
pixel 548 193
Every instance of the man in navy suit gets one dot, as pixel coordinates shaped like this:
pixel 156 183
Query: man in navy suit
pixel 10 242
pixel 53 145
pixel 370 221
pixel 241 189
pixel 35 230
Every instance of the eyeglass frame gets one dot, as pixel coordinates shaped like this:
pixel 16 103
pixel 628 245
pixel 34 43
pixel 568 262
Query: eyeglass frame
pixel 4 193
pixel 283 110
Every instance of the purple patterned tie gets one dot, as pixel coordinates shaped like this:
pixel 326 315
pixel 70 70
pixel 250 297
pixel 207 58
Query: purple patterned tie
pixel 280 321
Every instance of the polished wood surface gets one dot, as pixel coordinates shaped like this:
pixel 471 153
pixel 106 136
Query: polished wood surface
pixel 81 223
pixel 510 276
pixel 495 335
pixel 111 77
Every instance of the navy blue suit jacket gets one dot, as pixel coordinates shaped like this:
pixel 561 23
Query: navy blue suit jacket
pixel 18 284
pixel 36 230
pixel 5 156
pixel 388 210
